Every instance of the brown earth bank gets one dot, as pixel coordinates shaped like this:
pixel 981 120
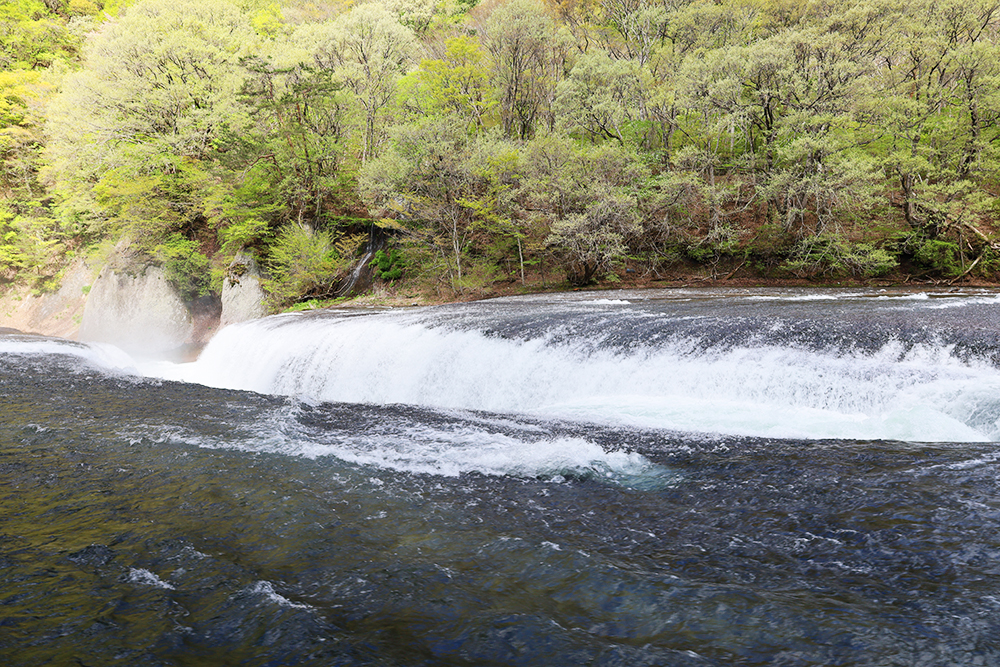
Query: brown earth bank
pixel 727 273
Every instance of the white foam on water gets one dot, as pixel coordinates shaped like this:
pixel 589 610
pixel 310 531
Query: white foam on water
pixel 266 590
pixel 754 419
pixel 97 354
pixel 146 578
pixel 945 303
pixel 921 393
pixel 939 301
pixel 425 449
pixel 800 297
pixel 916 296
pixel 451 454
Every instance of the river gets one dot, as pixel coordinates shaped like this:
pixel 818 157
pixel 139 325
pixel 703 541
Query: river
pixel 683 477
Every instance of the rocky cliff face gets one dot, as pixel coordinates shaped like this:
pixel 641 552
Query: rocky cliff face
pixel 243 298
pixel 54 314
pixel 137 309
pixel 141 312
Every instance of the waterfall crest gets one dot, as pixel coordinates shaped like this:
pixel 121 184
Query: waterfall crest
pixel 635 366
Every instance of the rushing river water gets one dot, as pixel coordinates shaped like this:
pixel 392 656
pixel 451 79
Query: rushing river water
pixel 630 478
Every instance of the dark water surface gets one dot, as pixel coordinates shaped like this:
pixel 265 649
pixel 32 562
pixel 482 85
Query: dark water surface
pixel 152 522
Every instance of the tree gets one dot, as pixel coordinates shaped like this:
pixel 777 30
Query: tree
pixel 21 96
pixel 422 179
pixel 785 107
pixel 640 26
pixel 32 36
pixel 602 97
pixel 519 37
pixel 135 133
pixel 368 50
pixel 298 138
pixel 587 198
pixel 458 83
pixel 417 15
pixel 937 102
pixel 36 46
pixel 495 165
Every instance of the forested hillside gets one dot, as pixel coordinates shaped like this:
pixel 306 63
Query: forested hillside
pixel 501 141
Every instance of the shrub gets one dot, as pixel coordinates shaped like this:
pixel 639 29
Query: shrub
pixel 940 256
pixel 184 264
pixel 389 265
pixel 588 244
pixel 241 234
pixel 834 255
pixel 300 262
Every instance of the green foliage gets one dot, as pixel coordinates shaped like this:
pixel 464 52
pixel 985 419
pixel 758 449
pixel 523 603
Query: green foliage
pixel 32 36
pixel 722 241
pixel 269 21
pixel 294 154
pixel 457 83
pixel 520 38
pixel 389 265
pixel 368 49
pixel 989 264
pixel 435 177
pixel 27 254
pixel 943 257
pixel 834 255
pixel 478 275
pixel 536 132
pixel 602 97
pixel 15 253
pixel 241 215
pixel 312 304
pixel 185 265
pixel 36 45
pixel 588 197
pixel 769 247
pixel 301 262
pixel 241 234
pixel 589 244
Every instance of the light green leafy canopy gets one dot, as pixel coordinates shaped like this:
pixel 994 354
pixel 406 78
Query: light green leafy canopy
pixel 368 49
pixel 159 83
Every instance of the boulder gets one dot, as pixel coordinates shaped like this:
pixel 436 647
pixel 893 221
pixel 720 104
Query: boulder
pixel 243 298
pixel 137 311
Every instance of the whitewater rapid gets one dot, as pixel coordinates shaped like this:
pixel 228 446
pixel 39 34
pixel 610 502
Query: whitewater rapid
pixel 609 361
pixel 474 484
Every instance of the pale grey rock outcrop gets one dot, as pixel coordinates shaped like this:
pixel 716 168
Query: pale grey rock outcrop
pixel 139 312
pixel 56 313
pixel 243 298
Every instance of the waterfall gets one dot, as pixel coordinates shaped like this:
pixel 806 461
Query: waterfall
pixel 352 280
pixel 609 363
pixel 376 241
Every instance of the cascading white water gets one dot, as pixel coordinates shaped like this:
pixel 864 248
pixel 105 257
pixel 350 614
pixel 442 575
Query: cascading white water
pixel 917 392
pixel 214 518
pixel 99 354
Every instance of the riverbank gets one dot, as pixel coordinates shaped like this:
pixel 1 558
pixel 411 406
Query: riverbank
pixel 404 295
pixel 60 313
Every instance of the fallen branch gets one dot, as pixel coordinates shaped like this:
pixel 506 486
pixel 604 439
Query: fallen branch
pixel 733 272
pixel 966 272
pixel 992 244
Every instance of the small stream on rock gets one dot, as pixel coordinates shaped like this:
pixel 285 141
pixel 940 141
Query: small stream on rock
pixel 683 477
